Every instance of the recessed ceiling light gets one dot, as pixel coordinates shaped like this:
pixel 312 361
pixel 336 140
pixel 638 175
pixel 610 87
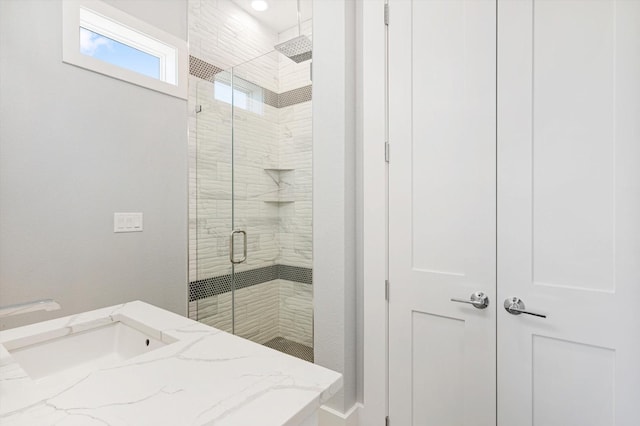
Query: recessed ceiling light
pixel 259 5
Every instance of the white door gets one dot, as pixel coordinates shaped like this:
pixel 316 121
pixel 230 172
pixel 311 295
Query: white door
pixel 569 212
pixel 442 212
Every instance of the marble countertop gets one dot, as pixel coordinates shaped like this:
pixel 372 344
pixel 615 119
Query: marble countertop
pixel 203 376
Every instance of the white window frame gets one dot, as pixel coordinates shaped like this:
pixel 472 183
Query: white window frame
pixel 117 25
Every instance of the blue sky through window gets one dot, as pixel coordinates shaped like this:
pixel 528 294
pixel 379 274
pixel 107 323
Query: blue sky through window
pixel 120 54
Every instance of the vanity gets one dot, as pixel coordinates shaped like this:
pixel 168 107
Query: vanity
pixel 136 364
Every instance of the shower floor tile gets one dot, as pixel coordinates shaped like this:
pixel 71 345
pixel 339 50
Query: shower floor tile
pixel 291 348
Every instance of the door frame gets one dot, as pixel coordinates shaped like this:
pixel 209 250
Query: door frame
pixel 371 134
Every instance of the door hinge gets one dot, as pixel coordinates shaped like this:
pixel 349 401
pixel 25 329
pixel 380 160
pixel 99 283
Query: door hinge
pixel 386 421
pixel 387 150
pixel 386 290
pixel 386 14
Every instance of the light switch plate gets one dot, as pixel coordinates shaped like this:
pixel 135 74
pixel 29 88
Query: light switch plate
pixel 127 222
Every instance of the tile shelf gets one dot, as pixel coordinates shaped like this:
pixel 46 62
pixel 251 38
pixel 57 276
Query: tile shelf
pixel 275 174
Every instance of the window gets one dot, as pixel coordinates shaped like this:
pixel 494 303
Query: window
pixel 104 39
pixel 246 95
pixel 120 54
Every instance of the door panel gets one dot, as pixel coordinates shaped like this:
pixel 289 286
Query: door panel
pixel 442 212
pixel 561 367
pixel 437 341
pixel 568 209
pixel 573 143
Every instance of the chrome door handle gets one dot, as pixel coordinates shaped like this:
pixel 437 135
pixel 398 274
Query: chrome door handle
pixel 515 306
pixel 478 300
pixel 231 247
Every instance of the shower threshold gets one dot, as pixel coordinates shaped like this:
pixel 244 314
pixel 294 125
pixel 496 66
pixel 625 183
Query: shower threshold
pixel 291 348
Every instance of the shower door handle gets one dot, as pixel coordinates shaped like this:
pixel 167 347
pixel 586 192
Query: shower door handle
pixel 231 247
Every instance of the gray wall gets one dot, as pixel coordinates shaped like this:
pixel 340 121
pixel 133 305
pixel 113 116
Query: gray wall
pixel 334 194
pixel 75 147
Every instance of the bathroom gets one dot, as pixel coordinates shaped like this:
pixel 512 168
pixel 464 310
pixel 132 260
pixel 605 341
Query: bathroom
pixel 334 237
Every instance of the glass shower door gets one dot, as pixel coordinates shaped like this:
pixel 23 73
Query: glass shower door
pixel 255 198
pixel 210 295
pixel 272 203
pixel 254 204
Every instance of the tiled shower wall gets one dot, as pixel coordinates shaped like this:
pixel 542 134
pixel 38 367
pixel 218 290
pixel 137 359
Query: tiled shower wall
pixel 295 142
pixel 222 35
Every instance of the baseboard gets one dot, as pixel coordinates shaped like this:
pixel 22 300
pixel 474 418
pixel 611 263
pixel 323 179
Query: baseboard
pixel 330 417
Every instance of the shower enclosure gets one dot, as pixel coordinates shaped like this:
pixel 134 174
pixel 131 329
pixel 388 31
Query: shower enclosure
pixel 254 204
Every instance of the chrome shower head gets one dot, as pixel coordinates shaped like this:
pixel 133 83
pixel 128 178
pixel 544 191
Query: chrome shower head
pixel 297 49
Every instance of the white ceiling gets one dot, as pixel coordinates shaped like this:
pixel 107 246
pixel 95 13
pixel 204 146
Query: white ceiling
pixel 281 14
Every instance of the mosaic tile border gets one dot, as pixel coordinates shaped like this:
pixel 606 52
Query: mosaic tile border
pixel 295 96
pixel 206 71
pixel 295 273
pixel 270 98
pixel 214 286
pixel 202 69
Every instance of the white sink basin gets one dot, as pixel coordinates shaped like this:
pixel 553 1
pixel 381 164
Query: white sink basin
pixel 84 350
